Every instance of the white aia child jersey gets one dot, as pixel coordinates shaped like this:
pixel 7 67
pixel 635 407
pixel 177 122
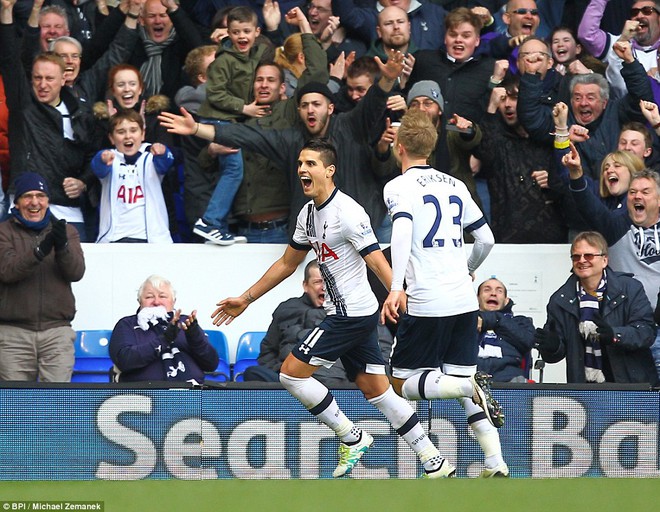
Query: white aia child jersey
pixel 338 231
pixel 437 277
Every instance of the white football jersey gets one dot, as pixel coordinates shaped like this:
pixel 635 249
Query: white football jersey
pixel 340 233
pixel 440 206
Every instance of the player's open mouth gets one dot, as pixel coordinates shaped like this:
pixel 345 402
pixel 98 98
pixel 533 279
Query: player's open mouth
pixel 492 302
pixel 639 207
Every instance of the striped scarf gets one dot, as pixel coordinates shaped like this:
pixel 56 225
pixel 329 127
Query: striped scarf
pixel 151 68
pixel 589 309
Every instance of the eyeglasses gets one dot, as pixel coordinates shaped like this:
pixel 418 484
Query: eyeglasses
pixel 647 10
pixel 424 103
pixel 322 10
pixel 39 196
pixel 522 12
pixel 532 54
pixel 587 256
pixel 72 56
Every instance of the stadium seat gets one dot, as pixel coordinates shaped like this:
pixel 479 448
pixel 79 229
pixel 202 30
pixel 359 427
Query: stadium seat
pixel 92 363
pixel 247 352
pixel 223 372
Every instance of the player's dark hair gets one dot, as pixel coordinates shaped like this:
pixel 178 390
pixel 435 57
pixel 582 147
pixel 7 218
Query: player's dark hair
pixel 308 268
pixel 325 148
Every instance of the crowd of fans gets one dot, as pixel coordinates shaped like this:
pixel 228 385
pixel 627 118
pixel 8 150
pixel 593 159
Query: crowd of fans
pixel 160 121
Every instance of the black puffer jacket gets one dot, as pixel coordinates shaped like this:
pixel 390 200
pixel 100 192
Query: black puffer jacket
pixel 521 211
pixel 36 141
pixel 627 310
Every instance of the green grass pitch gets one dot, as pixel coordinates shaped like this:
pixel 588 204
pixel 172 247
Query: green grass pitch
pixel 455 495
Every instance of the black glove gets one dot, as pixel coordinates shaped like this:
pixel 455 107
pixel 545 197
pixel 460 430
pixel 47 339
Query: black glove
pixel 194 331
pixel 59 234
pixel 45 246
pixel 605 331
pixel 546 340
pixel 170 332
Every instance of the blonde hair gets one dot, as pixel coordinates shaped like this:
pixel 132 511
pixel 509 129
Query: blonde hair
pixel 631 162
pixel 286 55
pixel 417 134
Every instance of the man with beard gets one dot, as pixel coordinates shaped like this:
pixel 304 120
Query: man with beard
pixel 262 203
pixel 352 133
pixel 453 148
pixel 633 238
pixel 525 209
pixel 642 29
pixel 426 20
pixel 393 31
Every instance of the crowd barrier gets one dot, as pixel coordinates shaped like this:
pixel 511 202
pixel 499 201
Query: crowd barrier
pixel 122 432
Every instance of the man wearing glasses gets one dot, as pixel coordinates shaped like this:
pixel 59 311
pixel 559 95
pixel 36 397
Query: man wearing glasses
pixel 600 321
pixel 634 237
pixel 522 19
pixel 642 28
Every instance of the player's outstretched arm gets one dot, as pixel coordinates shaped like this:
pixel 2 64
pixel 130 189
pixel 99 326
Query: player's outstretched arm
pixel 185 124
pixel 231 307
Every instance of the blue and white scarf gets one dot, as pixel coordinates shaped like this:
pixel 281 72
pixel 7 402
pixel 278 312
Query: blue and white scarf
pixel 589 309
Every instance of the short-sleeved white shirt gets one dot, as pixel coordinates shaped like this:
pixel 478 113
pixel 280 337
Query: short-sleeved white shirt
pixel 439 205
pixel 340 233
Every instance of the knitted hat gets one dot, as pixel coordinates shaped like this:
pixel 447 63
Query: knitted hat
pixel 27 182
pixel 316 87
pixel 429 89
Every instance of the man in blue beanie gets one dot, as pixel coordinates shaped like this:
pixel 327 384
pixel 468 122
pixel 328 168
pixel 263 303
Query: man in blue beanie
pixel 40 256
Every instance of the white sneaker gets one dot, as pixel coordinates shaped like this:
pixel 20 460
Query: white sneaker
pixel 349 455
pixel 499 471
pixel 446 470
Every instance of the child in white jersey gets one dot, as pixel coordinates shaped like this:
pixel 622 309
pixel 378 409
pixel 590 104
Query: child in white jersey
pixel 132 205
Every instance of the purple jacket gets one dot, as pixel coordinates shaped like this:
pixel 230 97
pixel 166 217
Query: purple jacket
pixel 137 353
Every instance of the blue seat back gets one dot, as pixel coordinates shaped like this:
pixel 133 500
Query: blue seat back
pixel 92 363
pixel 249 345
pixel 219 341
pixel 247 351
pixel 93 343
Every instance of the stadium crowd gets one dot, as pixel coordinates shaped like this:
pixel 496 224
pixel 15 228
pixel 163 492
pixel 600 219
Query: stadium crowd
pixel 161 121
